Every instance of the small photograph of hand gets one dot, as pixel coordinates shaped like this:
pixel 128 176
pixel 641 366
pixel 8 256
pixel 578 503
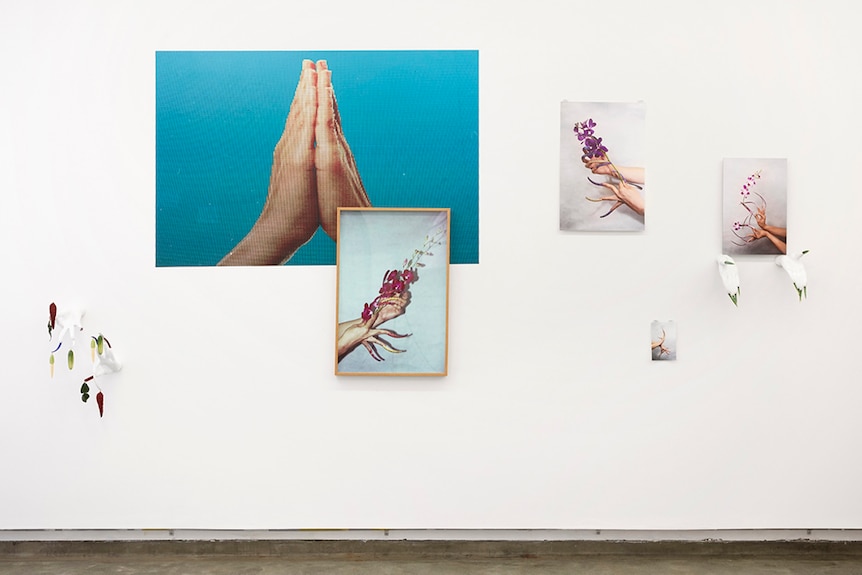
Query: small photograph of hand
pixel 663 340
pixel 602 174
pixel 252 163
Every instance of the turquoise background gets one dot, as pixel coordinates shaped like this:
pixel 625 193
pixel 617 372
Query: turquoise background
pixel 411 119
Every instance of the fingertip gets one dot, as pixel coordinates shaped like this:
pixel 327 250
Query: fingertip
pixel 321 65
pixel 308 74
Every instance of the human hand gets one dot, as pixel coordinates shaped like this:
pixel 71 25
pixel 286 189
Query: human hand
pixel 599 166
pixel 338 181
pixel 290 215
pixel 390 308
pixel 760 217
pixel 660 344
pixel 624 193
pixel 756 234
pixel 604 167
pixel 352 334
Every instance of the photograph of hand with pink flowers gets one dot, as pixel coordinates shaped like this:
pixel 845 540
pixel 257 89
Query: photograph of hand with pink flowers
pixel 602 166
pixel 754 200
pixel 392 302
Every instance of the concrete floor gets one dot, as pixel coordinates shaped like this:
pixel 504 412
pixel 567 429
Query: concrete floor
pixel 429 558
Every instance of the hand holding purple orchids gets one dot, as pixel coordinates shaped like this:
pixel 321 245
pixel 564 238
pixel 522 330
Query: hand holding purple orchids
pixel 628 181
pixel 391 301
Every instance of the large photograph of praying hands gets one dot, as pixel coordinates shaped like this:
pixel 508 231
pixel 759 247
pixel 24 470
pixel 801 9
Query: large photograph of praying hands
pixel 256 151
pixel 754 201
pixel 602 166
pixel 393 292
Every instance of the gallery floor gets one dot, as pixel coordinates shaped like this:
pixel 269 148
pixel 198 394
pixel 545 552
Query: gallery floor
pixel 429 557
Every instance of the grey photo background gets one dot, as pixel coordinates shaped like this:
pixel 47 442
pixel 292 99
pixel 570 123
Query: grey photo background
pixel 622 129
pixel 670 341
pixel 772 185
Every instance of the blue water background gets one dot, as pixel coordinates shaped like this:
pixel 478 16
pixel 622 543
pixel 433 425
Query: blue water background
pixel 411 119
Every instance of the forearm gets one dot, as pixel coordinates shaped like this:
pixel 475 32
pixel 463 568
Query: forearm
pixel 633 199
pixel 632 175
pixel 266 243
pixel 780 232
pixel 348 336
pixel 782 247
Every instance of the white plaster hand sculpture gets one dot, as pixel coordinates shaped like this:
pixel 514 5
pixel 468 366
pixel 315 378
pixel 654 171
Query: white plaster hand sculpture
pixel 729 272
pixel 106 362
pixel 796 270
pixel 69 321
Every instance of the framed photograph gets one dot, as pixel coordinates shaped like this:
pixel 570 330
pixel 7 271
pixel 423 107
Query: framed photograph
pixel 392 303
pixel 602 166
pixel 754 202
pixel 663 340
pixel 237 132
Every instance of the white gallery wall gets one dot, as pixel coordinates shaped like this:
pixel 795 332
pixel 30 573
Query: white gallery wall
pixel 227 414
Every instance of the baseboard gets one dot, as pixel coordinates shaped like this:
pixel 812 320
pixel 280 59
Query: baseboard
pixel 426 549
pixel 465 535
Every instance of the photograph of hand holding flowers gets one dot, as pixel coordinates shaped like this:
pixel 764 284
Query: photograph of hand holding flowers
pixel 543 410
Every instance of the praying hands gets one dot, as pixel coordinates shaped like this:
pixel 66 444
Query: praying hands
pixel 313 174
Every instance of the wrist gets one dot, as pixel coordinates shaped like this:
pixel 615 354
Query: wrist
pixel 267 243
pixel 348 336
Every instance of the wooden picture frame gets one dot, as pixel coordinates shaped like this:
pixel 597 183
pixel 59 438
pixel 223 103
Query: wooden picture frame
pixel 392 296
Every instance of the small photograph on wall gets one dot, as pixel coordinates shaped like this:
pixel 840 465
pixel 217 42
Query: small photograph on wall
pixel 256 150
pixel 754 203
pixel 663 340
pixel 392 294
pixel 602 166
